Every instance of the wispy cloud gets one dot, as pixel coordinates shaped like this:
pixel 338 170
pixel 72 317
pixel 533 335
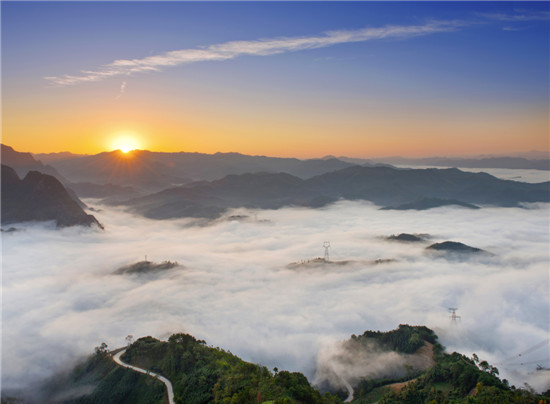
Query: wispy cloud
pixel 262 47
pixel 511 29
pixel 519 16
pixel 122 88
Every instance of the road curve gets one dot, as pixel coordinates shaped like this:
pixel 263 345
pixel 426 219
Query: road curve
pixel 349 399
pixel 163 379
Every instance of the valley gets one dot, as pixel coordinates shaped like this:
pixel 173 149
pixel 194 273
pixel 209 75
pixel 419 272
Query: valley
pixel 280 202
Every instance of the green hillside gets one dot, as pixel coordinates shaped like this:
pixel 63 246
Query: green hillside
pixel 453 379
pixel 199 374
pixel 202 374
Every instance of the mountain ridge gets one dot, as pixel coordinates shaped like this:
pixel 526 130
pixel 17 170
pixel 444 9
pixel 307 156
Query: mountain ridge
pixel 380 185
pixel 40 197
pixel 181 167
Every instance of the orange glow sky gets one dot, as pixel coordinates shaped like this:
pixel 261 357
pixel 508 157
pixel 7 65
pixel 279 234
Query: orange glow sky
pixel 410 96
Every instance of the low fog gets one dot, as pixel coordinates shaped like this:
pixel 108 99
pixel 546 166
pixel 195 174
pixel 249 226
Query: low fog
pixel 343 364
pixel 233 289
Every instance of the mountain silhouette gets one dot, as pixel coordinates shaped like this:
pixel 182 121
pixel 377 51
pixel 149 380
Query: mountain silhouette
pixel 39 197
pixel 429 203
pixel 456 247
pixel 482 162
pixel 136 169
pixel 23 162
pixel 146 169
pixel 381 185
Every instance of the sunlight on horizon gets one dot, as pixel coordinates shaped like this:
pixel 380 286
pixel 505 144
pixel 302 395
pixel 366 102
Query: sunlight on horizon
pixel 126 142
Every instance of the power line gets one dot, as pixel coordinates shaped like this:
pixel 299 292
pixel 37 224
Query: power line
pixel 528 350
pixel 528 363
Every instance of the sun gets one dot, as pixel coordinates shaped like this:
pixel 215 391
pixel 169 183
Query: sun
pixel 125 142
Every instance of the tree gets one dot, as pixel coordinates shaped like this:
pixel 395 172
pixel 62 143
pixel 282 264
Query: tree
pixel 493 370
pixel 129 340
pixel 484 365
pixel 101 350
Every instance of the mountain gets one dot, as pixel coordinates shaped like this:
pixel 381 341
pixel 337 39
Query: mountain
pixel 387 186
pixel 198 373
pixel 146 169
pixel 201 166
pixel 48 157
pixel 484 162
pixel 105 191
pixel 405 365
pixel 381 185
pixel 430 203
pixel 39 197
pixel 211 199
pixel 138 169
pixel 408 238
pixel 408 365
pixel 22 163
pixel 144 267
pixel 455 247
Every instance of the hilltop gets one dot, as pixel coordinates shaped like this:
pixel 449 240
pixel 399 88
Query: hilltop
pixel 455 247
pixel 405 365
pixel 409 365
pixel 199 374
pixel 144 267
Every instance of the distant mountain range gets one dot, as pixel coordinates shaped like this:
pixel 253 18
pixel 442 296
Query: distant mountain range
pixel 22 163
pixel 168 185
pixel 381 185
pixel 429 203
pixel 39 197
pixel 155 171
pixel 486 162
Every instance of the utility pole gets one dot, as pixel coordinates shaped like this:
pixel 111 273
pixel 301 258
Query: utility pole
pixel 453 315
pixel 326 245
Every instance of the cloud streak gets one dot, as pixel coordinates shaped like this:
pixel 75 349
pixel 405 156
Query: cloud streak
pixel 262 47
pixel 519 16
pixel 122 89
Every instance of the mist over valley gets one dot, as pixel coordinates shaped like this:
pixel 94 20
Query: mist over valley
pixel 234 290
pixel 275 202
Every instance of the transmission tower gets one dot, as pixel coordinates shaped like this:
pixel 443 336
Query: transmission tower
pixel 326 245
pixel 453 315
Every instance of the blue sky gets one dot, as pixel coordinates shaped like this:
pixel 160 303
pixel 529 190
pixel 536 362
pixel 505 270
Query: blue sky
pixel 475 62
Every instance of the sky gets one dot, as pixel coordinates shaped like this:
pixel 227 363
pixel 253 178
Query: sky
pixel 300 79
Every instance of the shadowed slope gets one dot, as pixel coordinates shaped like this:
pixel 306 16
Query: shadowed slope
pixel 39 197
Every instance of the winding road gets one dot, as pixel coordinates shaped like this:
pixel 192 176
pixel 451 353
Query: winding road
pixel 118 361
pixel 349 389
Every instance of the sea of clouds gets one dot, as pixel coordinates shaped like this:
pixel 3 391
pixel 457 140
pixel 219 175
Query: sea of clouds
pixel 234 290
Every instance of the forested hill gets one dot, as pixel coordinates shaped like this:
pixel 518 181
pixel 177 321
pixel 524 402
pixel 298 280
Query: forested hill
pixel 201 374
pixel 451 378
